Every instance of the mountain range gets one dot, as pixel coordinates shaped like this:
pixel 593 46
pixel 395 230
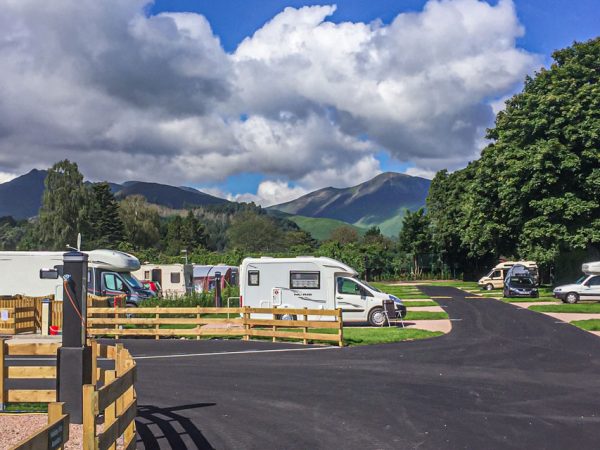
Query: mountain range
pixel 381 201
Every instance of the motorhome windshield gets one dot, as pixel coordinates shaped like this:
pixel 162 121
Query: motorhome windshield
pixel 131 281
pixel 373 288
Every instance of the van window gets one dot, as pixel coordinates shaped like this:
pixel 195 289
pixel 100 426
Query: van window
pixel 305 280
pixel 594 281
pixel 146 274
pixel 253 278
pixel 496 274
pixel 175 277
pixel 112 282
pixel 347 286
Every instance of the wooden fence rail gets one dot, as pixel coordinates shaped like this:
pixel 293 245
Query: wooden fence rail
pixel 26 372
pixel 192 321
pixel 115 400
pixel 53 436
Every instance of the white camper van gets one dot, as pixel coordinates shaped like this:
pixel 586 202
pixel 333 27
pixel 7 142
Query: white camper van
pixel 585 288
pixel 40 273
pixel 314 283
pixel 174 279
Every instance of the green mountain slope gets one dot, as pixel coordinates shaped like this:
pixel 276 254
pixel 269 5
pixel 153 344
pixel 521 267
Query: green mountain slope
pixel 321 228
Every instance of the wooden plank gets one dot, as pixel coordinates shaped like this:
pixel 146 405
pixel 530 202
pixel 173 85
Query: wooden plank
pixel 50 437
pixel 33 349
pixel 167 332
pixel 110 413
pixel 58 435
pixel 31 395
pixel 295 335
pixel 294 323
pixel 111 392
pixel 37 372
pixel 192 310
pixel 117 428
pixel 161 321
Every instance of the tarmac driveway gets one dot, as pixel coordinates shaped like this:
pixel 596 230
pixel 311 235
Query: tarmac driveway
pixel 505 377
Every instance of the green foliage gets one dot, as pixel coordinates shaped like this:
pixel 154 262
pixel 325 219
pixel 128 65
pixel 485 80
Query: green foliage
pixel 141 222
pixel 534 192
pixel 64 209
pixel 344 234
pixel 12 232
pixel 415 236
pixel 251 232
pixel 106 224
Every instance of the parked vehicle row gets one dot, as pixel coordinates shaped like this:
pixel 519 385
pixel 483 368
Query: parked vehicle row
pixel 585 288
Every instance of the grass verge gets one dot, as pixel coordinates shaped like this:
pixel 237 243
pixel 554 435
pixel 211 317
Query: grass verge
pixel 419 303
pixel 589 325
pixel 26 407
pixel 425 315
pixel 590 308
pixel 529 300
pixel 368 336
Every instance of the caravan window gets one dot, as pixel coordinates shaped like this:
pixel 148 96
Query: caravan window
pixel 175 277
pixel 253 278
pixel 305 280
pixel 146 274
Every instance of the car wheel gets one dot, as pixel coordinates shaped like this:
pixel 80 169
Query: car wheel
pixel 377 317
pixel 130 305
pixel 287 317
pixel 571 298
pixel 489 287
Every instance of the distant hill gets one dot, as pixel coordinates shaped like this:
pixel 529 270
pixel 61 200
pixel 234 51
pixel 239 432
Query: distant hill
pixel 381 201
pixel 21 197
pixel 320 228
pixel 169 196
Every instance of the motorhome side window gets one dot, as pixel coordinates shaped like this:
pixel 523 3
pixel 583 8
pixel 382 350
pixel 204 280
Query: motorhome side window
pixel 112 282
pixel 253 278
pixel 496 274
pixel 305 280
pixel 175 277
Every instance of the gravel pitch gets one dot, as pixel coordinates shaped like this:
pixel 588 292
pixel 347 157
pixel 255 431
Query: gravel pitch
pixel 16 427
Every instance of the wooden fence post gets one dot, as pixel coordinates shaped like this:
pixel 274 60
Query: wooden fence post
pixel 246 322
pixel 90 407
pixel 157 326
pixel 305 318
pixel 2 373
pixel 274 326
pixel 55 413
pixel 198 322
pixel 341 328
pixel 110 413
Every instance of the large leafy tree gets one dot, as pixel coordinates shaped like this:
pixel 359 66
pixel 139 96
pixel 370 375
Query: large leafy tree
pixel 64 211
pixel 255 233
pixel 415 236
pixel 141 222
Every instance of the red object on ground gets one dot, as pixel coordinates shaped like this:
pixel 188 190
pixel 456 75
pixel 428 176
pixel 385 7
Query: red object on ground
pixel 54 330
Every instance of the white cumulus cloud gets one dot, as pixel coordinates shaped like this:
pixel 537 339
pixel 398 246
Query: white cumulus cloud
pixel 305 101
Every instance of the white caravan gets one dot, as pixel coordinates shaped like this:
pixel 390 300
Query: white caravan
pixel 37 274
pixel 314 283
pixel 174 279
pixel 585 288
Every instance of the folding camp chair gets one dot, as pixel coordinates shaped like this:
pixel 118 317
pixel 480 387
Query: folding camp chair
pixel 391 315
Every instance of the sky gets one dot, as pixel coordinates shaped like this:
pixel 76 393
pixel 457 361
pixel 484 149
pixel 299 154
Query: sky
pixel 266 100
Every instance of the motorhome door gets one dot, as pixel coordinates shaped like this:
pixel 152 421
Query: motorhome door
pixel 351 297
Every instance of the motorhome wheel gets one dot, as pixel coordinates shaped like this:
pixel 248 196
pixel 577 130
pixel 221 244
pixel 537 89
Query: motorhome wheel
pixel 377 317
pixel 489 287
pixel 572 297
pixel 287 317
pixel 130 305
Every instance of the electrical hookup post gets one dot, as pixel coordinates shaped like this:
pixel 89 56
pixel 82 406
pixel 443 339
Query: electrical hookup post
pixel 74 357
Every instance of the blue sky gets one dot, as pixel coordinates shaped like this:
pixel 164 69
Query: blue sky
pixel 253 101
pixel 549 25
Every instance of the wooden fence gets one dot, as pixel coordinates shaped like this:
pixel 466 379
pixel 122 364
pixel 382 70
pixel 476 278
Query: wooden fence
pixel 198 321
pixel 115 400
pixel 52 436
pixel 26 372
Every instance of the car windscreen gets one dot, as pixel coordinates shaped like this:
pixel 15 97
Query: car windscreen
pixel 373 288
pixel 131 280
pixel 581 279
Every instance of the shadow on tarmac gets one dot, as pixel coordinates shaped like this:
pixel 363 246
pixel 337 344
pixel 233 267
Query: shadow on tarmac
pixel 163 428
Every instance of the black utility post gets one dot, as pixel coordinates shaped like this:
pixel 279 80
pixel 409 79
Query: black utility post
pixel 74 357
pixel 218 302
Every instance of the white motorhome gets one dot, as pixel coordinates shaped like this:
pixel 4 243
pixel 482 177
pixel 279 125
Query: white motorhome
pixel 495 278
pixel 585 288
pixel 37 274
pixel 174 279
pixel 314 283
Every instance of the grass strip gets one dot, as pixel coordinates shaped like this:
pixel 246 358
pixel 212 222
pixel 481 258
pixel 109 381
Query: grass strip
pixel 589 325
pixel 26 407
pixel 529 300
pixel 425 315
pixel 417 304
pixel 589 308
pixel 369 336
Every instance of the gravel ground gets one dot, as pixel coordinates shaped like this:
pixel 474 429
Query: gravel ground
pixel 16 427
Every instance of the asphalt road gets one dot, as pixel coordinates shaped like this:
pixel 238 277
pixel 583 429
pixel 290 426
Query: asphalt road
pixel 504 377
